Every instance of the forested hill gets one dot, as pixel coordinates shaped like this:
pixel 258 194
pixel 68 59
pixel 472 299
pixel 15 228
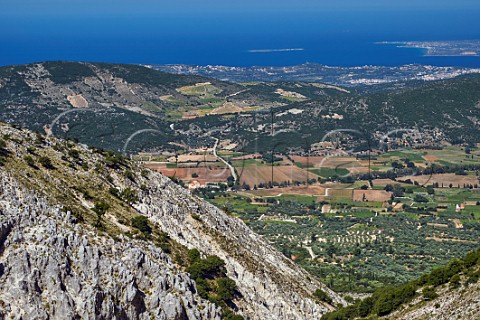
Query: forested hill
pixel 105 104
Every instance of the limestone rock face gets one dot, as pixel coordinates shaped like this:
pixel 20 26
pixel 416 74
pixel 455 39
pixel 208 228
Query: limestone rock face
pixel 52 268
pixel 460 303
pixel 271 286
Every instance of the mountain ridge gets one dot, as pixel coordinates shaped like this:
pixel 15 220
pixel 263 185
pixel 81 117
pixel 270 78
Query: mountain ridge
pixel 71 184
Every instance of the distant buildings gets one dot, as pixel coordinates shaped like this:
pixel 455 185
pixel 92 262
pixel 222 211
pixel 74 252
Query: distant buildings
pixel 194 184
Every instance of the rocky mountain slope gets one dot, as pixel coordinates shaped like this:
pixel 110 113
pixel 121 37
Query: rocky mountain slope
pixel 69 247
pixel 462 303
pixel 447 292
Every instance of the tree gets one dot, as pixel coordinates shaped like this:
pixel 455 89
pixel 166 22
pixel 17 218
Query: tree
pixel 129 195
pixel 100 208
pixel 430 190
pixel 193 255
pixel 365 307
pixel 226 289
pixel 322 296
pixel 141 223
pixel 331 250
pixel 420 198
pixel 230 181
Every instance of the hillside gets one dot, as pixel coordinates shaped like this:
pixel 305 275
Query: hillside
pixel 448 292
pixel 434 113
pixel 85 232
pixel 106 104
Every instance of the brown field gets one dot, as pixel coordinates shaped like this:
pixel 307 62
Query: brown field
pixel 301 190
pixel 332 162
pixel 78 101
pixel 248 156
pixel 227 107
pixel 430 158
pixel 263 174
pixel 384 182
pixel 445 179
pixel 371 195
pixel 155 165
pixel 194 158
pixel 204 174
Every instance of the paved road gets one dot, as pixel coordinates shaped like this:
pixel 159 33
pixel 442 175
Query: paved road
pixel 232 169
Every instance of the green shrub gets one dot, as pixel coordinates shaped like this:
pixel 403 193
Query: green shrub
pixel 39 139
pixel 129 195
pixel 365 306
pixel 129 175
pixel 455 281
pixel 114 160
pixel 420 198
pixel 202 287
pixel 210 267
pixel 74 153
pixel 226 289
pixel 46 162
pixel 193 255
pixel 114 192
pixel 29 160
pixel 141 223
pixel 429 294
pixel 322 296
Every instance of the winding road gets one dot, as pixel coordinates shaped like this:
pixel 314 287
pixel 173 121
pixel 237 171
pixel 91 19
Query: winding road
pixel 232 169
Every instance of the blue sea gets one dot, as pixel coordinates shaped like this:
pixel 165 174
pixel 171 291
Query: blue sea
pixel 336 39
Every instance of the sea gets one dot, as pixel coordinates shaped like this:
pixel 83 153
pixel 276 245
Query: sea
pixel 349 39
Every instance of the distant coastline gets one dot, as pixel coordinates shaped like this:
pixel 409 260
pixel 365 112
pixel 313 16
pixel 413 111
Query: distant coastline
pixel 453 48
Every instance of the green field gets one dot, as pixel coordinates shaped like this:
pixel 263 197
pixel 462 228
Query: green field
pixel 385 249
pixel 329 172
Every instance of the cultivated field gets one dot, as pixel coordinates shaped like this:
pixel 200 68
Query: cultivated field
pixel 443 179
pixel 254 175
pixel 314 190
pixel 199 89
pixel 201 174
pixel 193 158
pixel 371 195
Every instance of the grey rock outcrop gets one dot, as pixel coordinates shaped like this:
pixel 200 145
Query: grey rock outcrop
pixel 52 268
pixel 271 286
